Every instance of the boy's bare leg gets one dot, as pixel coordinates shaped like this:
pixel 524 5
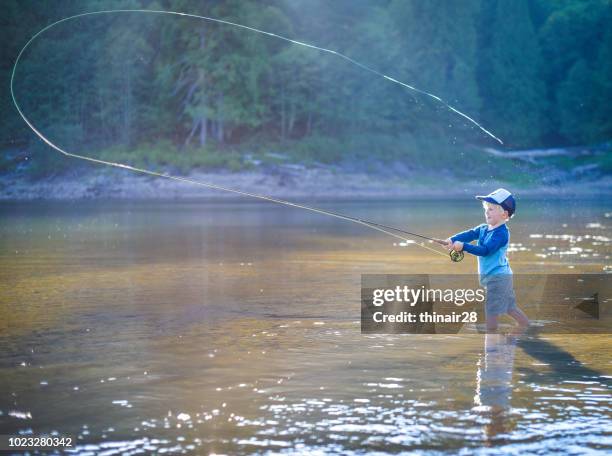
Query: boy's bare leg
pixel 491 323
pixel 519 316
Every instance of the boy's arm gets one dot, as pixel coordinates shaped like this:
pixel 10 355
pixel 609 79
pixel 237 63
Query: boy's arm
pixel 498 240
pixel 467 236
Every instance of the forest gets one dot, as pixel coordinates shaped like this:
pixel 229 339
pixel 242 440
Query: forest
pixel 167 89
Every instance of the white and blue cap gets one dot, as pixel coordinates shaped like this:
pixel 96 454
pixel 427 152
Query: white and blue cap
pixel 502 197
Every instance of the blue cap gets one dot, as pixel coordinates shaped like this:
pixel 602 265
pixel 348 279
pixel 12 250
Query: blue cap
pixel 502 197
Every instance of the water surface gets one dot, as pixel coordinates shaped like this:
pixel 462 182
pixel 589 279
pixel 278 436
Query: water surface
pixel 234 328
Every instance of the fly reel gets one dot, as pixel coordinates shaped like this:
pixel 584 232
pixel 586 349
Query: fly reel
pixel 456 256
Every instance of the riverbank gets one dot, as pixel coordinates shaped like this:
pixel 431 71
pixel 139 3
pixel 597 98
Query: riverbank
pixel 284 181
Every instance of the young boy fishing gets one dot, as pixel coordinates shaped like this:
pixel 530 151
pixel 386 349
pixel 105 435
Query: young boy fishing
pixel 495 274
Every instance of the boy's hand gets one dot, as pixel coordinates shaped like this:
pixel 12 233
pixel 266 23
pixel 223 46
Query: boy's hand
pixel 457 246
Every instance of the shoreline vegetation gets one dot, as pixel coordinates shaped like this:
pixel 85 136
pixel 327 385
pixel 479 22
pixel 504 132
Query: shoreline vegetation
pixel 47 175
pixel 218 103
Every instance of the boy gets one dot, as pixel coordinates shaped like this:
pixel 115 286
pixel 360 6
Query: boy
pixel 493 267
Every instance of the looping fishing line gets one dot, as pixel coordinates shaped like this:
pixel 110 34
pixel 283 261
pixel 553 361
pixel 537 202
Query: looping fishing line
pixel 214 186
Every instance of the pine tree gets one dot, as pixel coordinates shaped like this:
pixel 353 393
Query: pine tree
pixel 510 73
pixel 577 44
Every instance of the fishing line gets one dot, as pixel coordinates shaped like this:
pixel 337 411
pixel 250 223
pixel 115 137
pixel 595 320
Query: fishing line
pixel 376 226
pixel 300 43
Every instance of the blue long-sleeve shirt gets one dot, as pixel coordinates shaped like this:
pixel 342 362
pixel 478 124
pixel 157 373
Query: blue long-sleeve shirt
pixel 491 249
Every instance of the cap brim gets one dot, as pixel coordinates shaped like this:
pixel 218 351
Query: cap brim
pixel 488 199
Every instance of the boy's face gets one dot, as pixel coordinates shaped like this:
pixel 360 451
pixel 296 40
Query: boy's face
pixel 494 213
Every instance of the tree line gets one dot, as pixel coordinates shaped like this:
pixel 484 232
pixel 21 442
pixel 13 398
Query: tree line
pixel 538 73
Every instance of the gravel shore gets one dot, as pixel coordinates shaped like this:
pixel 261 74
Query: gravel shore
pixel 286 182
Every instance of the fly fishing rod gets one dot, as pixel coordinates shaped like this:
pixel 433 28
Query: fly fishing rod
pixel 454 255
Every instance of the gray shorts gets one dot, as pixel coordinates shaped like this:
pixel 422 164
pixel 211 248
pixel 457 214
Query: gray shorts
pixel 500 295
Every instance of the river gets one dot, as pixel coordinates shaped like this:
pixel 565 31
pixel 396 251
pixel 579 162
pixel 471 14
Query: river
pixel 232 327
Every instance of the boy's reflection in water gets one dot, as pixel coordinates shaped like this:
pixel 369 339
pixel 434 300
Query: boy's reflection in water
pixel 494 374
pixel 494 381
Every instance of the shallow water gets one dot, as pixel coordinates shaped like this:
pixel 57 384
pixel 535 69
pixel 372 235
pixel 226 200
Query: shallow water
pixel 234 328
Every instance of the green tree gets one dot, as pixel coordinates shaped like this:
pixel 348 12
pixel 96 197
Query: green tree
pixel 510 73
pixel 577 46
